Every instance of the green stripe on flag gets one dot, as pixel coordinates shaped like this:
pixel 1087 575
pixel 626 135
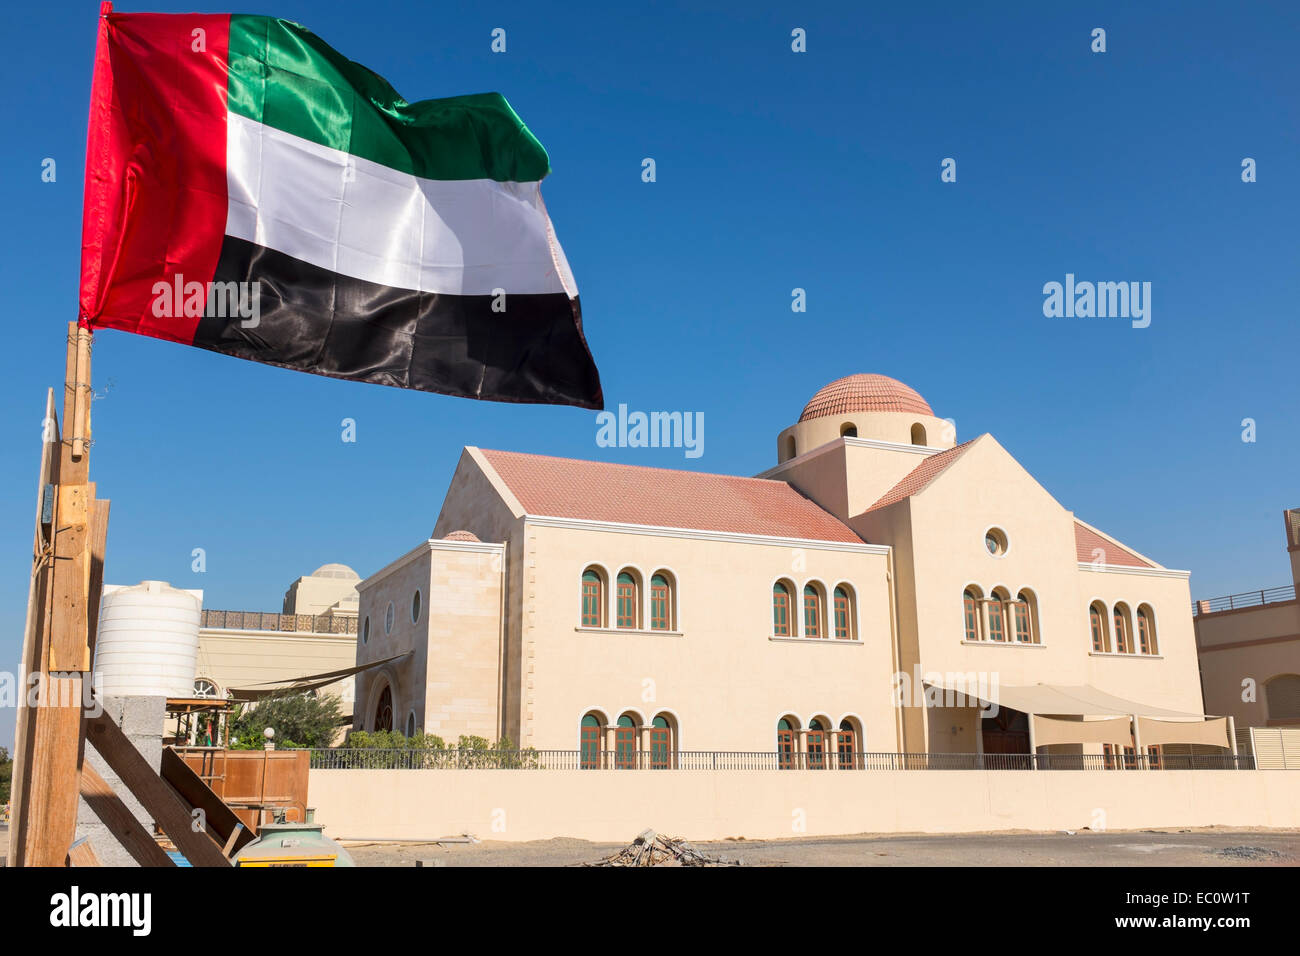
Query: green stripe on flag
pixel 283 75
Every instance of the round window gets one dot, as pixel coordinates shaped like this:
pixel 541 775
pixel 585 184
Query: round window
pixel 365 630
pixel 995 540
pixel 415 608
pixel 388 619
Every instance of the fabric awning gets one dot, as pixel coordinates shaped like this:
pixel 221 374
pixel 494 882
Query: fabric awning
pixel 1213 732
pixel 309 682
pixel 1065 700
pixel 1054 730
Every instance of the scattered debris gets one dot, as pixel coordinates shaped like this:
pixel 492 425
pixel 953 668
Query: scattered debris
pixel 1247 853
pixel 652 849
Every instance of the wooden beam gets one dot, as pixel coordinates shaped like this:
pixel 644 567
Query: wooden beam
pixel 33 658
pixel 160 800
pixel 121 822
pixel 57 641
pixel 220 820
pixel 82 853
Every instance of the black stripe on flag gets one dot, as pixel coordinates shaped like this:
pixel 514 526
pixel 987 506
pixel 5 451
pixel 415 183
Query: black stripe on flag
pixel 315 320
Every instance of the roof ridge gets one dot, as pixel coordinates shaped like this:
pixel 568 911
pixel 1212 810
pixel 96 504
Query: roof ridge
pixel 619 464
pixel 1150 562
pixel 937 463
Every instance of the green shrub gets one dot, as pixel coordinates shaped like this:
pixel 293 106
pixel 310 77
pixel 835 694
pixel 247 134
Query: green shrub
pixel 299 720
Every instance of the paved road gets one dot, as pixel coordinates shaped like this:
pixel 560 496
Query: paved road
pixel 1194 848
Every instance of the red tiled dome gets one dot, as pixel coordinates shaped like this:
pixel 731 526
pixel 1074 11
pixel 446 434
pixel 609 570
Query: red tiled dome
pixel 865 393
pixel 461 536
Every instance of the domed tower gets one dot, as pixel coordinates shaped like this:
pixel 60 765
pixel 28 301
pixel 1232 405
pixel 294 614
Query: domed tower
pixel 865 406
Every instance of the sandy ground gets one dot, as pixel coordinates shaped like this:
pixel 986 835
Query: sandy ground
pixel 1193 848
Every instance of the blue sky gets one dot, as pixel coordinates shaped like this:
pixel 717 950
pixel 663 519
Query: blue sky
pixel 775 170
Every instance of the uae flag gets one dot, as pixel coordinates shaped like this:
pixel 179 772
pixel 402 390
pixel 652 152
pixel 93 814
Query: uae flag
pixel 252 192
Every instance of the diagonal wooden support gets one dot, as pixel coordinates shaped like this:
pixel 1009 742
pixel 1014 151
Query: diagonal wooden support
pixel 82 854
pixel 159 799
pixel 121 822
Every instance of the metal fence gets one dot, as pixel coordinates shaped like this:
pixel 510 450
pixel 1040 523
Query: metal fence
pixel 376 759
pixel 1231 602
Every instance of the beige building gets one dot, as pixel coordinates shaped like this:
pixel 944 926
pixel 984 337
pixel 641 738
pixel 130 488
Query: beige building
pixel 823 612
pixel 1249 646
pixel 243 653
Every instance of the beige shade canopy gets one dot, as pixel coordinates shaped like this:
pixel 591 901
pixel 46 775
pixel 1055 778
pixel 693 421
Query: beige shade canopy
pixel 1065 700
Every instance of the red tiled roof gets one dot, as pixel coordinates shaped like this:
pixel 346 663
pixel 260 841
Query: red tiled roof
pixel 461 536
pixel 921 475
pixel 1087 542
pixel 864 393
pixel 662 497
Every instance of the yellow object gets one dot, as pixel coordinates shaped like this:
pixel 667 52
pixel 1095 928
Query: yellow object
pixel 289 861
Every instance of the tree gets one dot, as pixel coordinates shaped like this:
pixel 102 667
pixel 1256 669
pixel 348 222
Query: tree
pixel 299 720
pixel 6 774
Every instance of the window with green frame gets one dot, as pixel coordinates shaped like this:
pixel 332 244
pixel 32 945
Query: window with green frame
pixel 625 743
pixel 787 746
pixel 625 597
pixel 590 742
pixel 1021 618
pixel 660 604
pixel 1097 622
pixel 661 744
pixel 996 628
pixel 593 599
pixel 816 745
pixel 812 611
pixel 843 615
pixel 970 609
pixel 780 610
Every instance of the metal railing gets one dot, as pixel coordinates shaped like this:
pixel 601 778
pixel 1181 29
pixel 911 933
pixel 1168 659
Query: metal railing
pixel 289 623
pixel 1231 602
pixel 377 759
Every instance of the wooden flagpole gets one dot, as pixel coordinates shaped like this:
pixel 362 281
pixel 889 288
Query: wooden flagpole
pixel 62 614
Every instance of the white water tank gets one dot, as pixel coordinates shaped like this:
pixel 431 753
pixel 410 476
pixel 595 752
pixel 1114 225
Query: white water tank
pixel 148 642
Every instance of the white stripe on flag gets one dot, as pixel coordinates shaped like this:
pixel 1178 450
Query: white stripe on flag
pixel 368 221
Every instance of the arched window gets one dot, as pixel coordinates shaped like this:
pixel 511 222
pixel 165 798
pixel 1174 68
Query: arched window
pixel 812 612
pixel 1146 630
pixel 1123 634
pixel 593 598
pixel 661 743
pixel 1283 699
pixel 627 601
pixel 1024 618
pixel 843 614
pixel 816 744
pixel 1283 696
pixel 789 448
pixel 1097 622
pixel 410 725
pixel 591 735
pixel 625 743
pixel 918 434
pixel 848 430
pixel 997 616
pixel 781 609
pixel 846 745
pixel 661 603
pixel 970 604
pixel 787 744
pixel 384 709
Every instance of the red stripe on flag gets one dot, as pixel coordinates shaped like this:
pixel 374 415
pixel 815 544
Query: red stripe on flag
pixel 155 201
